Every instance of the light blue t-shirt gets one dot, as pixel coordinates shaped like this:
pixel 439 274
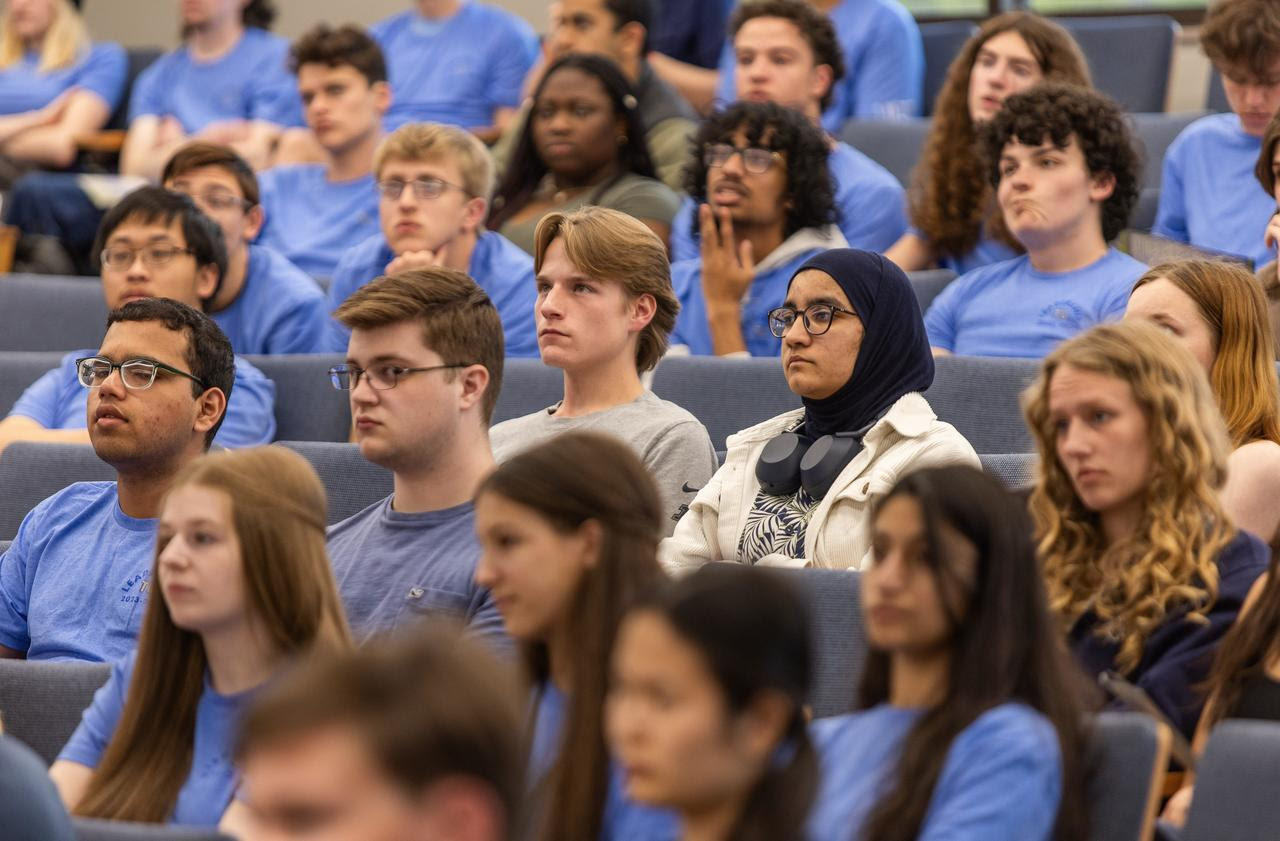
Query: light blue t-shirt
pixel 502 268
pixel 1002 778
pixel 394 569
pixel 457 71
pixel 58 401
pixel 74 582
pixel 1208 193
pixel 883 64
pixel 623 819
pixel 768 290
pixel 279 310
pixel 251 82
pixel 312 220
pixel 209 787
pixel 100 71
pixel 1010 309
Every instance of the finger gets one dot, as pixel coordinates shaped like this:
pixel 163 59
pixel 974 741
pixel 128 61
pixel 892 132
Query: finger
pixel 726 229
pixel 746 254
pixel 707 227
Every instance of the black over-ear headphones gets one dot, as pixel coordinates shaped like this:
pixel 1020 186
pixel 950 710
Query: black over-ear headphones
pixel 790 461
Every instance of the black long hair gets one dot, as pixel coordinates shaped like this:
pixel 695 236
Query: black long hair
pixel 527 169
pixel 1005 647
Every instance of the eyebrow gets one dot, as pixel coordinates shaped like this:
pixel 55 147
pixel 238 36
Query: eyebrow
pixel 821 299
pixel 150 238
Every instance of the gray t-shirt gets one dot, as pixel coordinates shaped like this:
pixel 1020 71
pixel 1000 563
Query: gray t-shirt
pixel 670 441
pixel 394 568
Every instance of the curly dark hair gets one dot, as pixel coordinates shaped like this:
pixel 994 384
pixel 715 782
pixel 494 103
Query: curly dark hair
pixel 1242 37
pixel 346 45
pixel 815 27
pixel 1055 113
pixel 810 188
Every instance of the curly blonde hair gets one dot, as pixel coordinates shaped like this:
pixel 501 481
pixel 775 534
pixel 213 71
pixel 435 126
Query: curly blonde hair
pixel 950 197
pixel 1168 564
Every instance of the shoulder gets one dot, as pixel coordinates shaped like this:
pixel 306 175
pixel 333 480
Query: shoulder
pixel 1117 261
pixel 1255 468
pixel 1242 560
pixel 1206 131
pixel 72 503
pixel 764 430
pixel 368 515
pixel 663 413
pixel 685 274
pixel 282 274
pixel 387 27
pixel 262 42
pixel 106 53
pixel 1012 724
pixel 367 252
pixel 277 177
pixel 632 187
pixel 846 162
pixel 247 373
pixel 846 735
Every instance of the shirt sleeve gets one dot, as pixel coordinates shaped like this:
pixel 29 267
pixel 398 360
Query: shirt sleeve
pixel 98 723
pixel 1171 212
pixel 940 320
pixel 250 418
pixel 104 72
pixel 42 401
pixel 15 589
pixel 682 462
pixel 886 80
pixel 147 97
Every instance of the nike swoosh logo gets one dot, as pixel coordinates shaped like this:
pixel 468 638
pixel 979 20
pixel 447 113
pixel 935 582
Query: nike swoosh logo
pixel 689 490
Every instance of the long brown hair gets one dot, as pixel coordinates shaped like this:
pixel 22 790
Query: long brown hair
pixel 1246 649
pixel 574 478
pixel 278 507
pixel 950 197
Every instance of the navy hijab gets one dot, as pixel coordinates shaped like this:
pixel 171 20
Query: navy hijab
pixel 894 358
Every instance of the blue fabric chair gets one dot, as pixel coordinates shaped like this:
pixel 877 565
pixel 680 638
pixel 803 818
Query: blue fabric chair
pixel 1237 794
pixel 1016 470
pixel 351 484
pixel 727 395
pixel 31 472
pixel 839 640
pixel 96 830
pixel 894 144
pixel 928 283
pixel 19 369
pixel 942 42
pixel 527 387
pixel 308 407
pixel 1111 43
pixel 979 396
pixel 41 702
pixel 1156 132
pixel 47 312
pixel 1128 753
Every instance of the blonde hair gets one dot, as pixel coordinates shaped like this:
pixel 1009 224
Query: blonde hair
pixel 66 40
pixel 436 142
pixel 1168 564
pixel 609 245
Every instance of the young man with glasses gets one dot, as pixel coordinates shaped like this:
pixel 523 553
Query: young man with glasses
pixel 423 371
pixel 153 244
pixel 75 582
pixel 265 303
pixel 434 181
pixel 765 205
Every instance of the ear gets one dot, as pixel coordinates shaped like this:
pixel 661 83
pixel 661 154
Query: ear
pixel 643 309
pixel 821 80
pixel 475 382
pixel 381 96
pixel 210 407
pixel 592 535
pixel 253 222
pixel 474 214
pixel 631 39
pixel 206 281
pixel 460 808
pixel 1101 186
pixel 764 722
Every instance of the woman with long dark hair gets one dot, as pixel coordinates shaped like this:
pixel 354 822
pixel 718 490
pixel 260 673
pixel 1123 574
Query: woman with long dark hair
pixel 970 721
pixel 583 144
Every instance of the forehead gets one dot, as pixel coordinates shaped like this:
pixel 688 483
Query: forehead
pixel 1071 386
pixel 814 285
pixel 771 32
pixel 589 9
pixel 138 230
pixel 1010 45
pixel 436 166
pixel 207 176
pixel 152 339
pixel 312 76
pixel 191 502
pixel 401 340
pixel 1244 75
pixel 570 81
pixel 1164 295
pixel 1015 148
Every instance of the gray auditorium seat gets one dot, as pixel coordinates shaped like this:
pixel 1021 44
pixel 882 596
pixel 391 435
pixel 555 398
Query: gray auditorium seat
pixel 31 472
pixel 30 809
pixel 1237 795
pixel 1016 470
pixel 1143 217
pixel 46 312
pixel 840 643
pixel 308 407
pixel 41 702
pixel 1216 97
pixel 1111 43
pixel 350 483
pixel 979 395
pixel 894 144
pixel 4 546
pixel 725 394
pixel 527 386
pixel 1156 132
pixel 928 283
pixel 19 369
pixel 96 830
pixel 942 42
pixel 1127 756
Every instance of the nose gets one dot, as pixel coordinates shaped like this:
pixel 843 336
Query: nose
pixel 113 385
pixel 408 198
pixel 550 305
pixel 136 268
pixel 1072 441
pixel 362 393
pixel 734 165
pixel 796 335
pixel 889 573
pixel 559 122
pixel 175 553
pixel 485 575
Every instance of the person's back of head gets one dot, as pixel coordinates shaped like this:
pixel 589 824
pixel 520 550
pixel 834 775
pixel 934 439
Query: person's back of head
pixel 1242 39
pixel 814 28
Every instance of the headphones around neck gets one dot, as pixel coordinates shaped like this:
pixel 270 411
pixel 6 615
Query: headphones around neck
pixel 790 462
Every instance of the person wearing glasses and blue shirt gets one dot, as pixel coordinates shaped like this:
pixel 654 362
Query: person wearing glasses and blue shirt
pixel 434 181
pixel 75 582
pixel 153 244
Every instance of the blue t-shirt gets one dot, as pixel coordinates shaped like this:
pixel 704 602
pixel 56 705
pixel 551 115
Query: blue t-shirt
pixel 1208 193
pixel 74 582
pixel 502 268
pixel 209 787
pixel 458 70
pixel 883 64
pixel 1002 777
pixel 1010 309
pixel 58 401
pixel 279 310
pixel 768 290
pixel 312 220
pixel 623 819
pixel 395 568
pixel 100 71
pixel 251 82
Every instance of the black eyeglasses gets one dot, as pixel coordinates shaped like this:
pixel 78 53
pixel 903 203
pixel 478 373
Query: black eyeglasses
pixel 423 188
pixel 817 318
pixel 136 374
pixel 118 257
pixel 754 158
pixel 380 377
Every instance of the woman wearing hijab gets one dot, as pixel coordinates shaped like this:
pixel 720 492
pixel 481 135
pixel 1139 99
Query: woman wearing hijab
pixel 798 490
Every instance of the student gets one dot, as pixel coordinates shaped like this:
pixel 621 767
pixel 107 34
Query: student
pixel 1266 171
pixel 365 746
pixel 1143 565
pixel 1218 312
pixel 435 181
pixel 55 84
pixel 29 806
pixel 569 530
pixel 315 211
pixel 583 145
pixel 153 243
pixel 787 53
pixel 955 219
pixel 265 304
pixel 1066 176
pixel 74 582
pixel 706 707
pixel 969 721
pixel 797 490
pixel 244 590
pixel 424 368
pixel 1208 196
pixel 604 310
pixel 765 206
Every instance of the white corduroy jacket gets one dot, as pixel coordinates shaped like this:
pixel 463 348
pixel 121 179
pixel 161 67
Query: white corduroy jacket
pixel 907 438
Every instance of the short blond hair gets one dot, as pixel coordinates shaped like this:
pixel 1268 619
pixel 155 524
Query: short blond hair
pixel 611 245
pixel 434 142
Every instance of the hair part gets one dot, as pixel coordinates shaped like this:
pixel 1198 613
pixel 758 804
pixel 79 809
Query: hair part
pixel 345 46
pixel 814 27
pixel 439 143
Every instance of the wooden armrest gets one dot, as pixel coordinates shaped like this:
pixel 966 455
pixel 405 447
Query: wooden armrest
pixel 101 141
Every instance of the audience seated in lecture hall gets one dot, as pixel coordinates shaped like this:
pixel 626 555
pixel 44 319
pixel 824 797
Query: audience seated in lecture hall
pixel 1065 172
pixel 1145 569
pixel 604 310
pixel 956 221
pixel 74 584
pixel 797 490
pixel 434 182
